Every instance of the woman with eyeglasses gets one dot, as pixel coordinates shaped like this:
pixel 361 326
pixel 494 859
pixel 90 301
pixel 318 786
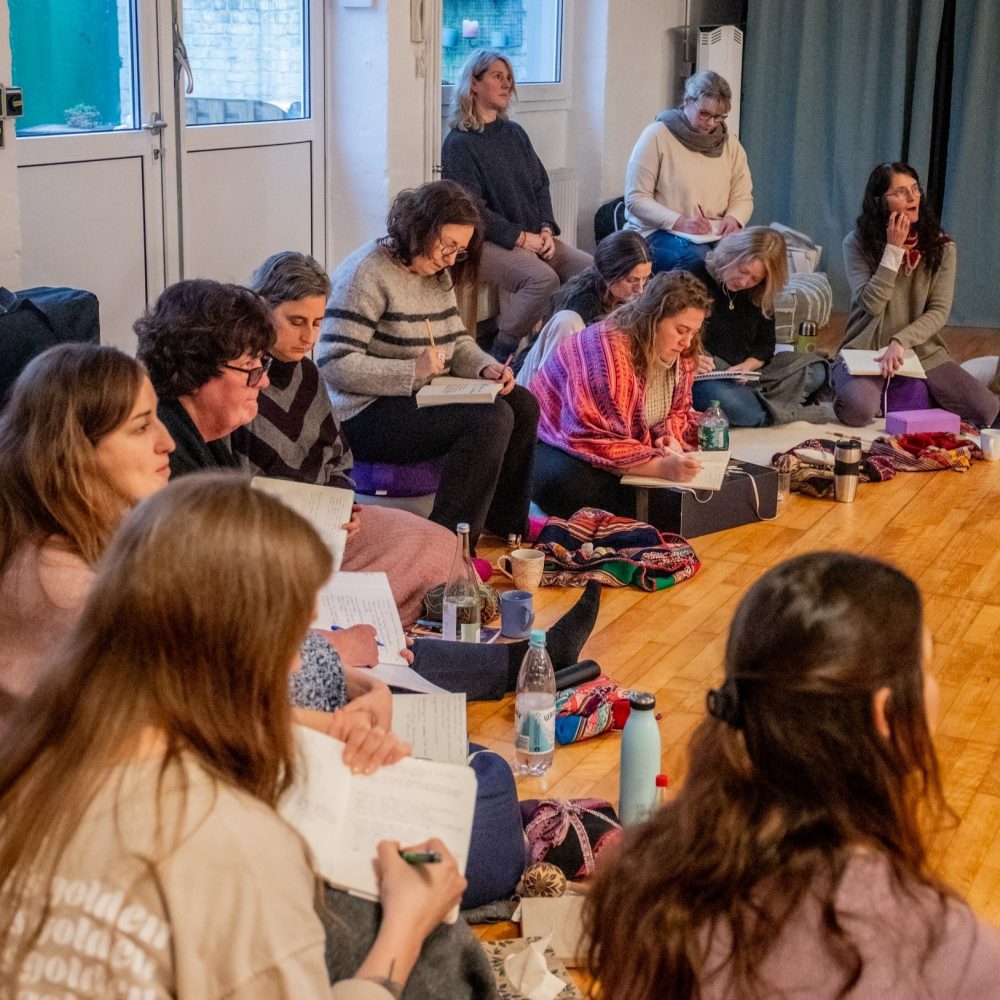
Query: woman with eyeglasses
pixel 688 182
pixel 901 268
pixel 622 266
pixel 794 860
pixel 392 324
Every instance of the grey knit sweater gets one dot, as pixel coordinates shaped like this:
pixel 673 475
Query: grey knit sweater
pixel 376 325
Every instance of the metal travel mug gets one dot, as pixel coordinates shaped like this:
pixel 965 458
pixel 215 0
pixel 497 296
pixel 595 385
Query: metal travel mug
pixel 805 340
pixel 846 466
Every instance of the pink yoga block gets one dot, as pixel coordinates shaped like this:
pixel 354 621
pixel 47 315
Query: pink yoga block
pixel 922 421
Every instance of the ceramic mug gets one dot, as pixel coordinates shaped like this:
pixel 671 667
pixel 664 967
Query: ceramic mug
pixel 524 567
pixel 989 441
pixel 517 614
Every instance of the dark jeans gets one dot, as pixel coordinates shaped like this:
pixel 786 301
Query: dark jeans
pixel 674 253
pixel 563 484
pixel 480 671
pixel 488 452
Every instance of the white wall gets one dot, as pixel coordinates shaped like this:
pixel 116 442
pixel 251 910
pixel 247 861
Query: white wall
pixel 10 210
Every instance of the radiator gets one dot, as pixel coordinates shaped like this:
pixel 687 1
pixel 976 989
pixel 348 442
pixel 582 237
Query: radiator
pixel 721 49
pixel 564 186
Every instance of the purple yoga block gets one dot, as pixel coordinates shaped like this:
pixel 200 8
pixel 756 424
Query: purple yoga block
pixel 922 421
pixel 382 479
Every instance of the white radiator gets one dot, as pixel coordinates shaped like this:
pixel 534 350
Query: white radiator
pixel 564 186
pixel 721 49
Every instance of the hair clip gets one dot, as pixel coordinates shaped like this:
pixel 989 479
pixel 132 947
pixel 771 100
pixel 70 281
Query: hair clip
pixel 723 703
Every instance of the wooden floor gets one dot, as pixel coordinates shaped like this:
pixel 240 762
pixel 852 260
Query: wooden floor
pixel 942 528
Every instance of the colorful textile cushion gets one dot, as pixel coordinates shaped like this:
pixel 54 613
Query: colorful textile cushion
pixel 591 709
pixel 930 451
pixel 617 551
pixel 570 833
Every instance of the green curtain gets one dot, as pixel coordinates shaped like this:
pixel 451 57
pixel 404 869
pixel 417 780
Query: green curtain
pixel 829 90
pixel 971 211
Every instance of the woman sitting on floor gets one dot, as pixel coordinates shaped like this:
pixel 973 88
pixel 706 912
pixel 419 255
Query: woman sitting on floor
pixel 616 399
pixel 139 784
pixel 392 325
pixel 901 268
pixel 743 274
pixel 619 273
pixel 792 862
pixel 295 435
pixel 80 443
pixel 206 346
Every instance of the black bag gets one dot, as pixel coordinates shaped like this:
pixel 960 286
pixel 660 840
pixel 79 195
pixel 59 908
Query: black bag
pixel 38 318
pixel 609 218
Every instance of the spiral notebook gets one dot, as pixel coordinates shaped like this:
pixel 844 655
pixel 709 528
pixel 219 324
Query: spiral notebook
pixel 710 476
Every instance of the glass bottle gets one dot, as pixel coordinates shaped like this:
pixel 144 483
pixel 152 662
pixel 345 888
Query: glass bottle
pixel 460 610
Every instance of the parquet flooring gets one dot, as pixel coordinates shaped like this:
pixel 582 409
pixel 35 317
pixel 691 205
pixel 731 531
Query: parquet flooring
pixel 942 528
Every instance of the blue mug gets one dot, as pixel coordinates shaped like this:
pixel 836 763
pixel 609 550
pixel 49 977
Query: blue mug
pixel 516 614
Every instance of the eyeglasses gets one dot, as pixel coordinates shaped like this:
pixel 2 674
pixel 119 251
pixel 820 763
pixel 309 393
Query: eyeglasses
pixel 704 116
pixel 254 375
pixel 913 191
pixel 454 251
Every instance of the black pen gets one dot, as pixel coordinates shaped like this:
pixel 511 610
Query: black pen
pixel 420 857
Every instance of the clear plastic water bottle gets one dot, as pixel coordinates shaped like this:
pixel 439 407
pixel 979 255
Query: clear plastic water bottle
pixel 713 430
pixel 640 761
pixel 462 601
pixel 535 710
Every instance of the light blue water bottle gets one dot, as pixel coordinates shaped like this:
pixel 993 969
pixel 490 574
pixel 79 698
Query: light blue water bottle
pixel 640 761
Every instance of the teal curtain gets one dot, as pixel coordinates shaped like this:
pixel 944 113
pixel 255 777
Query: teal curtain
pixel 829 90
pixel 971 210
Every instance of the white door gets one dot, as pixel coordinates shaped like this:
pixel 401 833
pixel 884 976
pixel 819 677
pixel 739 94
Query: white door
pixel 252 151
pixel 91 174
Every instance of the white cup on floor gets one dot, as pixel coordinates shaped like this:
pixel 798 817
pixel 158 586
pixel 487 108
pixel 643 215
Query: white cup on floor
pixel 989 441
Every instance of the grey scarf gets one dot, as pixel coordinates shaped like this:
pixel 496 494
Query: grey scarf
pixel 710 143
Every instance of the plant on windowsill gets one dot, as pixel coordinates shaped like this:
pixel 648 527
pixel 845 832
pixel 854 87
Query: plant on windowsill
pixel 83 116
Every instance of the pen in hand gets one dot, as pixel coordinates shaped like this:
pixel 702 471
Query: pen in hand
pixel 420 857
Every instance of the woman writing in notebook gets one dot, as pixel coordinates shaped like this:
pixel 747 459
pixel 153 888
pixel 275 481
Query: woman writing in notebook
pixel 901 268
pixel 616 399
pixel 391 325
pixel 141 852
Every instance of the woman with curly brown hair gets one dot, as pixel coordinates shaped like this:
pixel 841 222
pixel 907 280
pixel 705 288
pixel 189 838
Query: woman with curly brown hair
pixel 792 862
pixel 616 399
pixel 392 324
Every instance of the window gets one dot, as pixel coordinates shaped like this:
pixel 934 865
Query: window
pixel 75 60
pixel 248 60
pixel 528 32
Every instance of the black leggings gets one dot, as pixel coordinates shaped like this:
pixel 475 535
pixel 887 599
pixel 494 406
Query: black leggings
pixel 488 450
pixel 563 484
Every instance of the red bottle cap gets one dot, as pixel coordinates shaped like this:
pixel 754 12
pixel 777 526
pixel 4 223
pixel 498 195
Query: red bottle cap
pixel 662 781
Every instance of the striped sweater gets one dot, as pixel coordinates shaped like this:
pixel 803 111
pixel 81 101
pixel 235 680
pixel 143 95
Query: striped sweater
pixel 376 325
pixel 592 401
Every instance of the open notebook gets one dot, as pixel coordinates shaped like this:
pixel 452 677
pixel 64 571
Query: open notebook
pixel 864 363
pixel 710 477
pixel 447 389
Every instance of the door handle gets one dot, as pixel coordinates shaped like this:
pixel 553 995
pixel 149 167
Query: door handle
pixel 155 124
pixel 182 65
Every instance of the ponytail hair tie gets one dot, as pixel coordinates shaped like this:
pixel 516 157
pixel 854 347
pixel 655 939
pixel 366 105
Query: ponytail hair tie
pixel 724 704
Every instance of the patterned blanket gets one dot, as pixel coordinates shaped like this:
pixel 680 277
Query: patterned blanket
pixel 617 551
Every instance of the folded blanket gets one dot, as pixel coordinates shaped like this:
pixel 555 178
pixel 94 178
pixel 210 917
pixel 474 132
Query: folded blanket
pixel 815 480
pixel 931 451
pixel 617 551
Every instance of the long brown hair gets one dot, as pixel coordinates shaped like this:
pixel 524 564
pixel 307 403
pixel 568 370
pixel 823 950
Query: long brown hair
pixel 788 777
pixel 187 629
pixel 52 484
pixel 665 295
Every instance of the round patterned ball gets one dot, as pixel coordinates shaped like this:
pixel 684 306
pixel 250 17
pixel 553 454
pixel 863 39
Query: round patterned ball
pixel 434 601
pixel 543 879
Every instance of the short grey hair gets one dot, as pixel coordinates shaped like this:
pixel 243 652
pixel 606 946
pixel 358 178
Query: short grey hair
pixel 289 276
pixel 708 84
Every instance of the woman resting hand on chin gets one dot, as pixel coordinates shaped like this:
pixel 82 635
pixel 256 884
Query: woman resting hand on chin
pixel 616 399
pixel 139 785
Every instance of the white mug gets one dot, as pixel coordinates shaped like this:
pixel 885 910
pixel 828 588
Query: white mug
pixel 524 567
pixel 989 441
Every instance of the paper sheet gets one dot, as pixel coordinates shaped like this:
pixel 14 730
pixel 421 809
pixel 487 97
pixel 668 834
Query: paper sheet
pixel 710 477
pixel 363 599
pixel 326 508
pixel 404 677
pixel 434 725
pixel 343 816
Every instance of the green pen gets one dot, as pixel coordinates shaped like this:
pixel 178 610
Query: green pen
pixel 420 857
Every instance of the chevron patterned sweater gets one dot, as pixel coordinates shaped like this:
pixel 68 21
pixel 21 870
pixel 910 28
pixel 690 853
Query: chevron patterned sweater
pixel 376 325
pixel 591 401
